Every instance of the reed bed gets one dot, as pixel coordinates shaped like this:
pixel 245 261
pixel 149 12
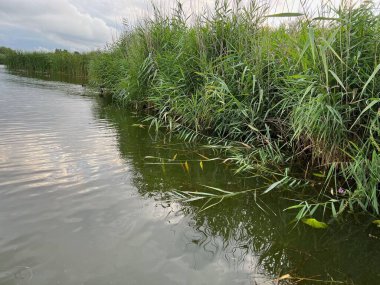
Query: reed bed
pixel 302 94
pixel 52 63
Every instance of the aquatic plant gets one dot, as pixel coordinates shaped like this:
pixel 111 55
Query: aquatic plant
pixel 305 92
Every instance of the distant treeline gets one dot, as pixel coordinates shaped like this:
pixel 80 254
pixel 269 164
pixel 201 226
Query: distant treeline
pixel 4 52
pixel 73 64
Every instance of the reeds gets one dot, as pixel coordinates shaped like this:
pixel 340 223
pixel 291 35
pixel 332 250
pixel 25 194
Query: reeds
pixel 304 94
pixel 51 63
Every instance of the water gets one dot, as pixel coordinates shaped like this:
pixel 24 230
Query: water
pixel 81 204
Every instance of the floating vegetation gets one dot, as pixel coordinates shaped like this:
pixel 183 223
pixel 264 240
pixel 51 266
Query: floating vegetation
pixel 298 279
pixel 315 223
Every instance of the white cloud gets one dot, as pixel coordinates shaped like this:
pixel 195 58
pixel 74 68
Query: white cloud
pixel 57 21
pixel 90 24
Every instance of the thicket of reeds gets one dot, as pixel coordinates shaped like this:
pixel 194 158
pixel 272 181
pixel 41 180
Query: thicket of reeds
pixel 303 94
pixel 73 64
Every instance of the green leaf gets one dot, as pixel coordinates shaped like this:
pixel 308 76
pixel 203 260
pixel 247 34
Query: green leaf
pixel 377 223
pixel 314 209
pixel 194 199
pixel 139 126
pixel 312 42
pixel 209 206
pixel 328 45
pixel 338 79
pixel 370 105
pixel 253 128
pixel 284 15
pixel 325 65
pixel 333 210
pixel 294 207
pixel 200 193
pixel 218 189
pixel 314 223
pixel 325 18
pixel 187 167
pixel 370 78
pixel 274 185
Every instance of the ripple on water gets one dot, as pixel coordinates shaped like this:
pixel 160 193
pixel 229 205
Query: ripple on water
pixel 74 206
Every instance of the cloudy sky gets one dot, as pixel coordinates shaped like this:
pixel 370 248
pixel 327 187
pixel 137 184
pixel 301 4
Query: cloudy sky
pixel 69 24
pixel 78 25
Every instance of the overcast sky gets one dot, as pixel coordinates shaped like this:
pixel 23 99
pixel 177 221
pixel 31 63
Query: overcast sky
pixel 69 24
pixel 79 25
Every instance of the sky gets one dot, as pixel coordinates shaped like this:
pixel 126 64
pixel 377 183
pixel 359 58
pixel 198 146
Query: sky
pixel 82 25
pixel 67 24
pixel 75 25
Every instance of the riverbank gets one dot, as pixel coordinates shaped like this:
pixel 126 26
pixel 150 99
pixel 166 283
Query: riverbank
pixel 295 103
pixel 304 95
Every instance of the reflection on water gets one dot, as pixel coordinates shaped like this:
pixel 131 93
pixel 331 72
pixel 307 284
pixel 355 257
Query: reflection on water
pixel 57 76
pixel 79 204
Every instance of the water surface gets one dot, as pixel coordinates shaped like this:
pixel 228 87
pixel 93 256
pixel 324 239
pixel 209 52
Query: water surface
pixel 80 203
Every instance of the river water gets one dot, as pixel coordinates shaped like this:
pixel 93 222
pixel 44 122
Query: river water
pixel 82 203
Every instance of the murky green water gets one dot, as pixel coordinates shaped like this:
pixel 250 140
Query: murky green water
pixel 81 204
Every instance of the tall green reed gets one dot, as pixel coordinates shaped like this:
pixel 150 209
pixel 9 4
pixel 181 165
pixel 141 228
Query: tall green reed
pixel 305 92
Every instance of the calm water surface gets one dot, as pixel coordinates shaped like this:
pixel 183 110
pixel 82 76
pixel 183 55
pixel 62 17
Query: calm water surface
pixel 81 204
